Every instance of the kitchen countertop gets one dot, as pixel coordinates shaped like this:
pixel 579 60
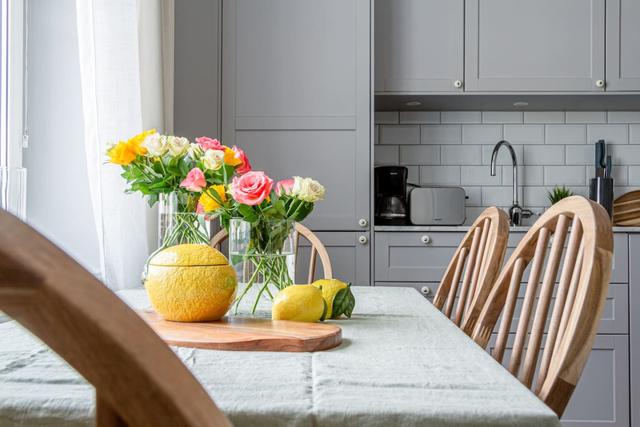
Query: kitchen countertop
pixel 464 228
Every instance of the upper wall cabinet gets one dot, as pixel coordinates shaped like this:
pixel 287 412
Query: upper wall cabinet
pixel 296 95
pixel 419 45
pixel 542 45
pixel 623 45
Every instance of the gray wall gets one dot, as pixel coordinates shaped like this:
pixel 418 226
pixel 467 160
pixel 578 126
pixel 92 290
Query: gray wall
pixel 554 147
pixel 58 202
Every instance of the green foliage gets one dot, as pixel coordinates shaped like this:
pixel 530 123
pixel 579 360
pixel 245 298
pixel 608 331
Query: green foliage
pixel 343 303
pixel 558 193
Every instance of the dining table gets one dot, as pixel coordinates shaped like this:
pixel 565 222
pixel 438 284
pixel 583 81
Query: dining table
pixel 401 363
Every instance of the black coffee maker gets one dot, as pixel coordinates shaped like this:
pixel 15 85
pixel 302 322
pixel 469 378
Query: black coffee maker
pixel 391 195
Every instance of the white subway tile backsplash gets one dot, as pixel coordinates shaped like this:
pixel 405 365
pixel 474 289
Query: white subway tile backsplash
pixel 472 214
pixel 441 134
pixel 385 154
pixel 440 175
pixel 504 157
pixel 552 147
pixel 564 175
pixel 623 116
pixel 586 117
pixel 501 117
pixel 612 134
pixel 497 196
pixel 634 134
pixel 580 154
pixel 460 117
pixel 624 154
pixel 565 134
pixel 399 134
pixel 420 155
pixel 527 175
pixel 634 175
pixel 480 175
pixel 544 117
pixel 619 191
pixel 524 134
pixel 419 117
pixel 386 117
pixel 481 134
pixel 461 155
pixel 474 196
pixel 543 155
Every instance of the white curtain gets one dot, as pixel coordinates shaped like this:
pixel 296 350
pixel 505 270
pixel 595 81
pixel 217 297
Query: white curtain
pixel 122 72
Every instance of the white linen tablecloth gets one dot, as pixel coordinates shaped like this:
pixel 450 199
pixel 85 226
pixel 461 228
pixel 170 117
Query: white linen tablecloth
pixel 401 363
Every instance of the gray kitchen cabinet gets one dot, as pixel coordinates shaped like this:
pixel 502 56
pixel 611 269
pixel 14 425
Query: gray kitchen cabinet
pixel 426 289
pixel 349 254
pixel 542 45
pixel 419 45
pixel 602 394
pixel 196 91
pixel 296 95
pixel 634 326
pixel 623 45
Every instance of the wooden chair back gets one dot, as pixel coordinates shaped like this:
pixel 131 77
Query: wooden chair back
pixel 317 250
pixel 139 381
pixel 585 270
pixel 473 269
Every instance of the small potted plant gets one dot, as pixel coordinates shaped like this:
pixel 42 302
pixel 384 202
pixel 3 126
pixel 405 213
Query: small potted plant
pixel 558 193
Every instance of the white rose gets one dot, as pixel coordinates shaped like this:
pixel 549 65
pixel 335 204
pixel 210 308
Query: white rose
pixel 177 145
pixel 195 152
pixel 155 144
pixel 307 189
pixel 213 159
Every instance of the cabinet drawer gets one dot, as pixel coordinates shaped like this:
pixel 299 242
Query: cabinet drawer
pixel 405 257
pixel 426 289
pixel 602 394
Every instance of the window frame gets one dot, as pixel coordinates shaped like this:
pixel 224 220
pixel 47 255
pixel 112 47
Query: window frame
pixel 12 77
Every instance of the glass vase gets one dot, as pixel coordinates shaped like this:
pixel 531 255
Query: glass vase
pixel 263 256
pixel 178 223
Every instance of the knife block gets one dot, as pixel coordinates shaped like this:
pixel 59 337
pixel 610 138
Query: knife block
pixel 601 191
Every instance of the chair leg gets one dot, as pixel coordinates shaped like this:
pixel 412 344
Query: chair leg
pixel 106 416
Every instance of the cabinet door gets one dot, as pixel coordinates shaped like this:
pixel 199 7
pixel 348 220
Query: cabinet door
pixel 623 45
pixel 296 95
pixel 634 325
pixel 419 45
pixel 542 45
pixel 349 254
pixel 602 394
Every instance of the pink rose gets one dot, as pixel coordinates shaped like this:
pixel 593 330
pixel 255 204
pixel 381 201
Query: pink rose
pixel 251 188
pixel 245 166
pixel 195 180
pixel 284 186
pixel 209 144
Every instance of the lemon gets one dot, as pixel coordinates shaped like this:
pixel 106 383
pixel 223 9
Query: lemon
pixel 338 296
pixel 190 283
pixel 303 303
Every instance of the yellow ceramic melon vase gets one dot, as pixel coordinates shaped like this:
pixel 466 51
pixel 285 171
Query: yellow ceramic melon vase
pixel 185 278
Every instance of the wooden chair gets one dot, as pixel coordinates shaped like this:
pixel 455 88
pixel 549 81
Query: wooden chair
pixel 581 292
pixel 482 250
pixel 317 249
pixel 139 381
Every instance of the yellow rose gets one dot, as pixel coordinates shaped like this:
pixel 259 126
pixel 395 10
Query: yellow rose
pixel 230 157
pixel 136 143
pixel 209 202
pixel 121 154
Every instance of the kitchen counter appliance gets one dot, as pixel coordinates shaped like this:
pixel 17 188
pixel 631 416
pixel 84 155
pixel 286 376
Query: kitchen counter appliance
pixel 433 205
pixel 391 195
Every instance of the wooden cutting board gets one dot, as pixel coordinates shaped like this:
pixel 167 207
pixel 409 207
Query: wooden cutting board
pixel 246 334
pixel 626 209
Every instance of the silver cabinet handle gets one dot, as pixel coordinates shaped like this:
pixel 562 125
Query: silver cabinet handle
pixel 457 84
pixel 362 222
pixel 599 83
pixel 425 290
pixel 425 239
pixel 363 240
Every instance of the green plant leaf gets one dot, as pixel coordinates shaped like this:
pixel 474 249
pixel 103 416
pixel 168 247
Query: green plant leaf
pixel 324 312
pixel 343 303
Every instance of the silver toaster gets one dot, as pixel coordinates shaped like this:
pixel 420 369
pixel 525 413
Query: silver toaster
pixel 432 205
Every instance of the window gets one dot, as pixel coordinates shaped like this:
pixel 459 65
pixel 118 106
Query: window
pixel 11 81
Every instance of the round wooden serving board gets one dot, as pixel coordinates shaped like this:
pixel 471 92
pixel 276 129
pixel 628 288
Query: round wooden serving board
pixel 246 334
